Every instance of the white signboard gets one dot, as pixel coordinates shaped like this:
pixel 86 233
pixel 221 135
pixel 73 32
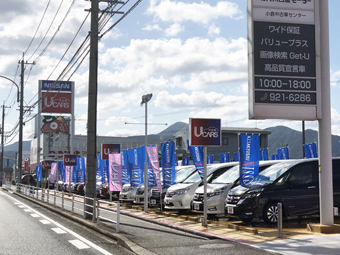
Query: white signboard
pixel 291 4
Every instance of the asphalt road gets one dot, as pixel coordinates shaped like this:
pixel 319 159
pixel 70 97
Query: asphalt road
pixel 30 229
pixel 154 238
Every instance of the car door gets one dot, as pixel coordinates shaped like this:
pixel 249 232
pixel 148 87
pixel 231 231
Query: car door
pixel 301 194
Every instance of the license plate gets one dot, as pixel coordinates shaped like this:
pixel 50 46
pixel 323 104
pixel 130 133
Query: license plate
pixel 230 210
pixel 196 206
pixel 137 200
pixel 153 201
pixel 167 201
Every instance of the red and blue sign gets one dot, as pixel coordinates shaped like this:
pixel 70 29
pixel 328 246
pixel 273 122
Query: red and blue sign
pixel 205 132
pixel 70 160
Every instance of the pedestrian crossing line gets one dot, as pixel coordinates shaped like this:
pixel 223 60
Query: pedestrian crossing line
pixel 79 244
pixel 22 206
pixel 35 215
pixel 27 210
pixel 59 230
pixel 45 222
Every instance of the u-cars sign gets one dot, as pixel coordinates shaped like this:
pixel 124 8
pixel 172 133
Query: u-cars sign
pixel 205 132
pixel 54 102
pixel 70 160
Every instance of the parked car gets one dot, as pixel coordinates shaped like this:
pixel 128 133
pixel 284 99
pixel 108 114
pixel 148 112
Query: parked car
pixel 295 184
pixel 128 193
pixel 182 172
pixel 179 196
pixel 218 188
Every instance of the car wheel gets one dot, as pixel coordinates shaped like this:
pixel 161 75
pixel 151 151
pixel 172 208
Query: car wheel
pixel 247 220
pixel 271 213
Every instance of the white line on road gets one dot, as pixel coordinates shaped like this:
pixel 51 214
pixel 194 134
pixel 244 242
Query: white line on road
pixel 59 230
pixel 79 244
pixel 27 210
pixel 94 246
pixel 35 215
pixel 45 222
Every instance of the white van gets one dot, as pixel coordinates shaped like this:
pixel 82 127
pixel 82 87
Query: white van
pixel 179 196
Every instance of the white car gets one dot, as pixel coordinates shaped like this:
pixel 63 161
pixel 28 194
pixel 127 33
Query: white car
pixel 179 196
pixel 218 188
pixel 128 193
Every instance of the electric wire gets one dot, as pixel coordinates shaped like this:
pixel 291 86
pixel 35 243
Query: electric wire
pixel 38 26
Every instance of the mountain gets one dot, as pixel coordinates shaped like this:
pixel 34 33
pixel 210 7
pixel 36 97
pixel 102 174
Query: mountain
pixel 283 136
pixel 171 130
pixel 26 146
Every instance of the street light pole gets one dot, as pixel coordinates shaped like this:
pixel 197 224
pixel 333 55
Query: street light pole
pixel 145 99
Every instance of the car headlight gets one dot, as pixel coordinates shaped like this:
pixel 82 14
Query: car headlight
pixel 181 191
pixel 252 194
pixel 215 192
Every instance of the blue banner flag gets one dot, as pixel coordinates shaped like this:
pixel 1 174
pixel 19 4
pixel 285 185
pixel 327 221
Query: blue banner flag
pixel 38 172
pixel 99 176
pixel 79 170
pixel 249 157
pixel 134 166
pixel 308 151
pixel 210 159
pixel 151 176
pixel 314 150
pixel 61 172
pixel 236 156
pixel 265 154
pixel 168 164
pixel 197 153
pixel 124 167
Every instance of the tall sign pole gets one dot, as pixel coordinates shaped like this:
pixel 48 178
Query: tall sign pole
pixel 289 74
pixel 205 132
pixel 325 140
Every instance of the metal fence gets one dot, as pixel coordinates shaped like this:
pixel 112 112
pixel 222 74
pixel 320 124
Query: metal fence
pixel 98 209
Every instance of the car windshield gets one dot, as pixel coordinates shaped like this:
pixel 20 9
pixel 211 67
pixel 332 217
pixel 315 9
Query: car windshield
pixel 229 176
pixel 195 176
pixel 183 173
pixel 270 174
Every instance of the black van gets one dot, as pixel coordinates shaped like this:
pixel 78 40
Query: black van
pixel 295 184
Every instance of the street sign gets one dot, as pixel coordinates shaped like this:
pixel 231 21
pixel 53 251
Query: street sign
pixel 109 148
pixel 205 132
pixel 70 160
pixel 284 62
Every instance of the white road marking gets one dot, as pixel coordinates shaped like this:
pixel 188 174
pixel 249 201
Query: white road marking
pixel 45 222
pixel 22 206
pixel 79 244
pixel 59 230
pixel 89 243
pixel 27 210
pixel 34 215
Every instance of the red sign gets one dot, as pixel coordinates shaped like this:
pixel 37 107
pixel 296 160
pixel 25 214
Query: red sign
pixel 109 148
pixel 47 164
pixel 56 102
pixel 26 164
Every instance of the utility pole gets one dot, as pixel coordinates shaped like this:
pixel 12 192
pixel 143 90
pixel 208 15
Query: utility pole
pixel 92 108
pixel 21 114
pixel 2 143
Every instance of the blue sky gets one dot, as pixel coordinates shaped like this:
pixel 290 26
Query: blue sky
pixel 192 55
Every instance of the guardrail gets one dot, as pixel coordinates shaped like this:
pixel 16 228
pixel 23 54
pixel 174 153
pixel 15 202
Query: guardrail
pixel 74 203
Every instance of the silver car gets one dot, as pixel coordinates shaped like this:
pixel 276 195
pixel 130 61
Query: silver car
pixel 179 196
pixel 217 189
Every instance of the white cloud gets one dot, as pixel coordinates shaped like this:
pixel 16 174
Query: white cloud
pixel 123 132
pixel 214 30
pixel 174 30
pixel 202 13
pixel 152 28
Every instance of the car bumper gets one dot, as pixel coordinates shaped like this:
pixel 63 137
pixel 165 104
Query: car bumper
pixel 181 202
pixel 215 205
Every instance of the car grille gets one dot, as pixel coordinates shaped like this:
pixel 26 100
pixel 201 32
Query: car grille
pixel 139 192
pixel 198 197
pixel 155 193
pixel 231 199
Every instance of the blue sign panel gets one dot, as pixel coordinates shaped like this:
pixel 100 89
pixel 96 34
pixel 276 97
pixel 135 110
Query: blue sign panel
pixel 56 85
